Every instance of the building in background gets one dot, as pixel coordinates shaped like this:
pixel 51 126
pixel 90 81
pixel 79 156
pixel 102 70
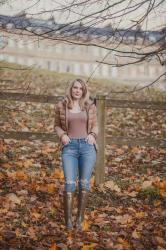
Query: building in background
pixel 60 56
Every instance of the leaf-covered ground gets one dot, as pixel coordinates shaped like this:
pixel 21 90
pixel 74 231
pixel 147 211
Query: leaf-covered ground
pixel 126 212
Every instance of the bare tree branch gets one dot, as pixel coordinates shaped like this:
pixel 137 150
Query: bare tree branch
pixel 91 27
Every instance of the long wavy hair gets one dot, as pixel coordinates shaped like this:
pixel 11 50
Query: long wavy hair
pixel 84 100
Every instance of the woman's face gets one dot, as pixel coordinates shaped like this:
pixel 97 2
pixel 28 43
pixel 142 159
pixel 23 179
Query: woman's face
pixel 76 91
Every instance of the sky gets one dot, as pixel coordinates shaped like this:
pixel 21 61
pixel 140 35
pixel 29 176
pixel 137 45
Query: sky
pixel 156 20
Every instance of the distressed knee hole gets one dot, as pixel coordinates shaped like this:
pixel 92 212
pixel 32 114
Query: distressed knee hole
pixel 70 186
pixel 83 181
pixel 84 184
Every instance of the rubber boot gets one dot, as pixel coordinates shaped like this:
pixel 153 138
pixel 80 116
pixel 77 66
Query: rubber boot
pixel 68 205
pixel 82 202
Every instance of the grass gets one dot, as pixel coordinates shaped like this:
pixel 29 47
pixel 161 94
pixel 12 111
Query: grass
pixel 149 195
pixel 42 81
pixel 122 183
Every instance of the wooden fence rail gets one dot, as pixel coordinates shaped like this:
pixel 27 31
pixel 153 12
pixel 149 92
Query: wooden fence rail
pixel 21 97
pixel 135 104
pixel 110 140
pixel 102 104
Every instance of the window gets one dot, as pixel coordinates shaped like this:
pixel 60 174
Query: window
pixel 20 60
pixel 11 59
pixel 57 66
pixel 20 44
pixel 114 72
pixel 48 65
pixel 2 57
pixel 77 69
pixel 29 62
pixel 68 68
pixel 11 43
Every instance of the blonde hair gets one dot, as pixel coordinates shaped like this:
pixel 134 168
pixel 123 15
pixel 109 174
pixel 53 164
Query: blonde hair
pixel 85 94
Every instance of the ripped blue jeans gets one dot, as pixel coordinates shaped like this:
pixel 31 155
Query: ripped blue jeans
pixel 78 159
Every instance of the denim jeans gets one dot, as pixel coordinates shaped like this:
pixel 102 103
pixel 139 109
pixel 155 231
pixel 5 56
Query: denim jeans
pixel 78 159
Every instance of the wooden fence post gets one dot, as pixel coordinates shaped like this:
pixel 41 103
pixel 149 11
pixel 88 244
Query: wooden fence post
pixel 100 163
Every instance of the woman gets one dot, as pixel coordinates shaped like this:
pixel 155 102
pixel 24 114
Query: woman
pixel 76 126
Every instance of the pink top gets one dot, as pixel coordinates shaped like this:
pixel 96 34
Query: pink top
pixel 77 125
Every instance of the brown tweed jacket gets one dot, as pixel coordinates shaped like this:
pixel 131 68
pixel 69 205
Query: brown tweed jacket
pixel 61 120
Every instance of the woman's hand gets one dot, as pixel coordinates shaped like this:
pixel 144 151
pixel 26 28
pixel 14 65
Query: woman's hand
pixel 90 139
pixel 65 139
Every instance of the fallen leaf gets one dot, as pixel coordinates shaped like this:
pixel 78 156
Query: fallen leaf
pixel 31 233
pixel 20 175
pixel 146 184
pixel 62 246
pixel 13 198
pixel 139 215
pixel 160 248
pixel 2 176
pixel 53 247
pixel 51 188
pixel 124 219
pixel 163 193
pixel 18 233
pixel 85 225
pixel 36 215
pixel 160 240
pixel 28 163
pixel 110 184
pixel 133 194
pixel 125 243
pixel 3 147
pixel 58 174
pixel 89 247
pixel 157 203
pixel 136 235
pixel 92 181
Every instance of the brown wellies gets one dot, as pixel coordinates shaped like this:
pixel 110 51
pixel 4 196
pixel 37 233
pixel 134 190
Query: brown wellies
pixel 68 206
pixel 82 202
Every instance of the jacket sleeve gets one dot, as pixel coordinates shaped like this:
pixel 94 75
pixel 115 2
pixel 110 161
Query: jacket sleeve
pixel 57 122
pixel 94 128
